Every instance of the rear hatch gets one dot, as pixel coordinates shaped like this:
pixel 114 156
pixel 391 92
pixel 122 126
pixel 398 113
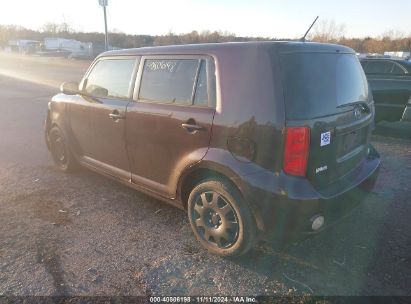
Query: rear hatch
pixel 327 91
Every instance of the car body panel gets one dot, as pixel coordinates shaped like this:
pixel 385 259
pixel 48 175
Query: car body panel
pixel 284 205
pixel 89 118
pixel 155 136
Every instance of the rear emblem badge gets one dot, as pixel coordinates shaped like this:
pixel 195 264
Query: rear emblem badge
pixel 325 138
pixel 320 169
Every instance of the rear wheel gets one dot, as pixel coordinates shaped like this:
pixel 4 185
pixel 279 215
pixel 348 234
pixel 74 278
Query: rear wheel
pixel 60 151
pixel 220 218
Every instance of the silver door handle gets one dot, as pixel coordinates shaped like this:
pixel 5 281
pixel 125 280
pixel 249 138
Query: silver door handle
pixel 116 116
pixel 191 127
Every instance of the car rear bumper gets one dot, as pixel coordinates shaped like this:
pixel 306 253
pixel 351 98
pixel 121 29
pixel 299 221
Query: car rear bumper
pixel 285 206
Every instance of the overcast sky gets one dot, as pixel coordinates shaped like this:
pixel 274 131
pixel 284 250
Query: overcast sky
pixel 277 19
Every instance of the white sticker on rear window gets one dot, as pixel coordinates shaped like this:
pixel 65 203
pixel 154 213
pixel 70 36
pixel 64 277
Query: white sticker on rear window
pixel 325 138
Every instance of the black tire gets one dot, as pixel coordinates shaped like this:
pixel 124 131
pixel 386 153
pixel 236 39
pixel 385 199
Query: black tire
pixel 60 151
pixel 220 218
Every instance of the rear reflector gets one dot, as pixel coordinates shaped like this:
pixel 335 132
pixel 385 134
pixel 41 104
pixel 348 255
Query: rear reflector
pixel 297 144
pixel 317 222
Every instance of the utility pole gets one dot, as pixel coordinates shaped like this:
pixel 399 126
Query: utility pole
pixel 104 4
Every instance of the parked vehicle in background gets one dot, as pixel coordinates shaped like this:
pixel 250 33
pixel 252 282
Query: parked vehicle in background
pixel 23 46
pixel 256 139
pixel 390 82
pixel 75 49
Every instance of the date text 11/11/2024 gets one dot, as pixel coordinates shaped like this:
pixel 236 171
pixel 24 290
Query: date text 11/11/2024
pixel 203 299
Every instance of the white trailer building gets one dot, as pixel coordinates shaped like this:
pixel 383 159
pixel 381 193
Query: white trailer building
pixel 76 48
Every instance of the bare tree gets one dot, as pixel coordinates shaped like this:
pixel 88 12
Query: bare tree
pixel 57 28
pixel 50 27
pixel 327 31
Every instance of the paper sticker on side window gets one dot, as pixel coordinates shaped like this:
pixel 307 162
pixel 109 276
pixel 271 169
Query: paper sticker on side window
pixel 325 138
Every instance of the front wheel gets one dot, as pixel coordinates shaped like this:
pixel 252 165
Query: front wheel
pixel 60 151
pixel 220 218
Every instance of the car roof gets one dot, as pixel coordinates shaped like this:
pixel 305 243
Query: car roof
pixel 215 48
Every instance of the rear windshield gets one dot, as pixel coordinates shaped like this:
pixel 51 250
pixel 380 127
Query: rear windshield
pixel 315 84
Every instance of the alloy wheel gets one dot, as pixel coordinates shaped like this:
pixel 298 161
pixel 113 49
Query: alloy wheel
pixel 215 219
pixel 59 149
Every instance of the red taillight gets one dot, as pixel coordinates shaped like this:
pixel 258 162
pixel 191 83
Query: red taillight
pixel 297 144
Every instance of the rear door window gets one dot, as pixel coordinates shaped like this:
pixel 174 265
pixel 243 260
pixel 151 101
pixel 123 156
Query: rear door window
pixel 316 84
pixel 181 81
pixel 169 80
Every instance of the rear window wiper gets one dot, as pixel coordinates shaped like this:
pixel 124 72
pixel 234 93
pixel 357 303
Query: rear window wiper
pixel 354 103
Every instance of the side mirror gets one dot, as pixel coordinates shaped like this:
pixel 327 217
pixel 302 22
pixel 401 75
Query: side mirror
pixel 69 88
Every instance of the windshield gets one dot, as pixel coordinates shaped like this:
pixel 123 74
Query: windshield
pixel 316 84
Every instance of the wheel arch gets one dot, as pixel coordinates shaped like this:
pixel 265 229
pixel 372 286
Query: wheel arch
pixel 58 116
pixel 192 176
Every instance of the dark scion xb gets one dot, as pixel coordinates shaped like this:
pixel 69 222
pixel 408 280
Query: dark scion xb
pixel 257 139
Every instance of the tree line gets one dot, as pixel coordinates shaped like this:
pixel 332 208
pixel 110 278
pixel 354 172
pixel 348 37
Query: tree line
pixel 325 32
pixel 116 38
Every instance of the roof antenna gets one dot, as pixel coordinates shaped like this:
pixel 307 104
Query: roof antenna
pixel 302 39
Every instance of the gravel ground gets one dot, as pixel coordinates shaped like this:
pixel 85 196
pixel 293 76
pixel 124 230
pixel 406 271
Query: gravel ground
pixel 83 234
